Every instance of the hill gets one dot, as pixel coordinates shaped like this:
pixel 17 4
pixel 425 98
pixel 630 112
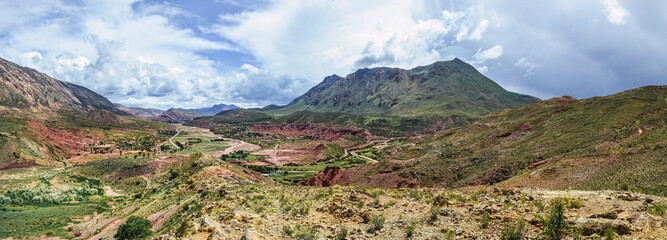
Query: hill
pixel 612 142
pixel 175 115
pixel 140 112
pixel 25 88
pixel 233 116
pixel 44 121
pixel 451 90
pixel 210 111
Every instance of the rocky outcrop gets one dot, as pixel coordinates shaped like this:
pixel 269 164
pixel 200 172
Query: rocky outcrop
pixel 328 177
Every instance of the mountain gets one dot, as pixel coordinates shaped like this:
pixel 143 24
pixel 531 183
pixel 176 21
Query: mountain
pixel 232 116
pixel 210 111
pixel 448 89
pixel 140 112
pixel 44 121
pixel 175 115
pixel 612 142
pixel 26 88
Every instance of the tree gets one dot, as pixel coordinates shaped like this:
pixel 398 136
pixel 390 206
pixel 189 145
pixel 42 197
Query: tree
pixel 134 228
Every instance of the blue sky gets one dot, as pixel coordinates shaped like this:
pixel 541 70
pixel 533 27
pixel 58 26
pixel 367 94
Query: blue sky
pixel 253 53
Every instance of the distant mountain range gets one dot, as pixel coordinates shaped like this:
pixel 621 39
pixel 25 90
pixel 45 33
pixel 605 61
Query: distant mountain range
pixel 210 111
pixel 181 114
pixel 140 112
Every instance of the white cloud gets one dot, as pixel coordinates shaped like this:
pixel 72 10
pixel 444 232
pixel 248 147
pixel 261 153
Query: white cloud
pixel 615 12
pixel 488 54
pixel 527 65
pixel 481 28
pixel 250 68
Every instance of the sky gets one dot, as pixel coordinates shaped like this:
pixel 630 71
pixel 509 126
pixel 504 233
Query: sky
pixel 196 53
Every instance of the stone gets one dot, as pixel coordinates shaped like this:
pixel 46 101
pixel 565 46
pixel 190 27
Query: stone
pixel 220 234
pixel 251 234
pixel 591 226
pixel 208 225
pixel 607 215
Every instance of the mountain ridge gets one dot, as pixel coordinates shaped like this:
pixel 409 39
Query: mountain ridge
pixel 443 89
pixel 27 88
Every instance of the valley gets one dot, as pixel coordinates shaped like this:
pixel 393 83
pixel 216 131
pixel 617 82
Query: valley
pixel 429 163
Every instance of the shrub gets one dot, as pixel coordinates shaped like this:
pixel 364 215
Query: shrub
pixel 288 231
pixel 134 228
pixel 342 234
pixel 513 232
pixel 433 214
pixel 377 223
pixel 361 204
pixel 410 230
pixel 609 232
pixel 554 225
pixel 484 220
pixel 658 209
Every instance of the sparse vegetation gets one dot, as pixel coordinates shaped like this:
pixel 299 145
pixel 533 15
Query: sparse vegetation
pixel 376 223
pixel 513 232
pixel 554 225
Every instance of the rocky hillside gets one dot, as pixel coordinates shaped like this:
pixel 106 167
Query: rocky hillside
pixel 612 142
pixel 284 212
pixel 175 115
pixel 449 89
pixel 26 88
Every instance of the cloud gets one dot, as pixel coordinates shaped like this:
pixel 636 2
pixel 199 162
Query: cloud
pixel 615 13
pixel 481 28
pixel 162 54
pixel 529 66
pixel 129 54
pixel 488 54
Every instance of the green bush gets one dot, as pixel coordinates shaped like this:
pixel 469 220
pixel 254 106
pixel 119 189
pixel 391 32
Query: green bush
pixel 134 228
pixel 554 225
pixel 658 209
pixel 484 220
pixel 377 223
pixel 342 234
pixel 609 232
pixel 513 232
pixel 410 230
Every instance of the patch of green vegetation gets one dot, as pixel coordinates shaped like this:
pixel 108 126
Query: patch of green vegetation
pixel 104 167
pixel 24 221
pixel 240 155
pixel 333 151
pixel 513 232
pixel 134 228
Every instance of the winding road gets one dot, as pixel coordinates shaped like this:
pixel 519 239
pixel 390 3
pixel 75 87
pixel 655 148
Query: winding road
pixel 172 138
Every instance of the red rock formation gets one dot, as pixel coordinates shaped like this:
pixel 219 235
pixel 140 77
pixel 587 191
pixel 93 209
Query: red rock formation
pixel 329 133
pixel 328 177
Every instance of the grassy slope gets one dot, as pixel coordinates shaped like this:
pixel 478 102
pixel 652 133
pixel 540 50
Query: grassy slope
pixel 593 143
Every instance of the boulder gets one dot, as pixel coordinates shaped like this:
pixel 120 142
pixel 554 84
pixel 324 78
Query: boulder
pixel 591 226
pixel 209 225
pixel 251 234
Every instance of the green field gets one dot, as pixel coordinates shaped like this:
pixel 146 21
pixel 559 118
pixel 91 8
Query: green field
pixel 23 221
